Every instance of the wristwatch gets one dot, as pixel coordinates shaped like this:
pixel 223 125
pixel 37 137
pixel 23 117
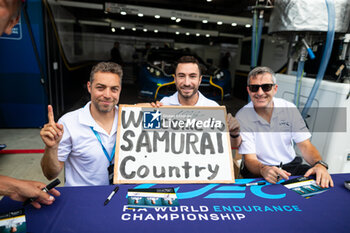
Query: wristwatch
pixel 322 163
pixel 235 136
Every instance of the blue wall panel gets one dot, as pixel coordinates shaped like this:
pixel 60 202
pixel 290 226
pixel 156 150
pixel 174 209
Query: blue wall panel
pixel 23 99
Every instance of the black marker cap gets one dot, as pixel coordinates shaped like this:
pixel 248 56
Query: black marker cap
pixel 53 184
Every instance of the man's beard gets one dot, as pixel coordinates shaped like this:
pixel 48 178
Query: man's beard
pixel 194 92
pixel 102 109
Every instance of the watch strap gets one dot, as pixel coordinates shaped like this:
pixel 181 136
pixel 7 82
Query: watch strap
pixel 235 136
pixel 322 163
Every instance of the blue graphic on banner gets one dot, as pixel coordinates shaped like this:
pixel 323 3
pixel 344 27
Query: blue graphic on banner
pixel 151 120
pixel 256 190
pixel 230 195
pixel 221 191
pixel 196 193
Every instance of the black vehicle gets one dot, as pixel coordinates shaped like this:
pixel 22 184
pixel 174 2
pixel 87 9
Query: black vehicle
pixel 156 76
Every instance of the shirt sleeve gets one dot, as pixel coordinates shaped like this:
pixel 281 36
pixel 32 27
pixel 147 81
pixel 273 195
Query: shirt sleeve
pixel 165 101
pixel 248 143
pixel 300 132
pixel 215 103
pixel 248 139
pixel 65 146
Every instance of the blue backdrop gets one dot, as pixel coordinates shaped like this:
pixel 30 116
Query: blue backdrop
pixel 22 96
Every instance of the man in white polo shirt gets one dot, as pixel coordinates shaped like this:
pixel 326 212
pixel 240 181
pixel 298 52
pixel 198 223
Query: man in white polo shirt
pixel 83 141
pixel 188 77
pixel 269 126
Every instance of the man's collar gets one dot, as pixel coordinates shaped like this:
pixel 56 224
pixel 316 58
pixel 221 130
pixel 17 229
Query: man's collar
pixel 200 96
pixel 277 110
pixel 85 118
pixel 254 116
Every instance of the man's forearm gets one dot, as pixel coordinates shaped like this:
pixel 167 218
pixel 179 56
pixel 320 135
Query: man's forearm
pixel 309 152
pixel 254 166
pixel 236 142
pixel 49 163
pixel 7 185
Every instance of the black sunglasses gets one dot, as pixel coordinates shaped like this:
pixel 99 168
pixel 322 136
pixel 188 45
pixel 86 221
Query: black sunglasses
pixel 265 87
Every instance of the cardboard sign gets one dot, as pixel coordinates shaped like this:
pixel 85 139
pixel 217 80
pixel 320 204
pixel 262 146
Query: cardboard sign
pixel 173 144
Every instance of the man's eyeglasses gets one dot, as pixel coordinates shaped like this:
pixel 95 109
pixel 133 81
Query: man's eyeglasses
pixel 265 87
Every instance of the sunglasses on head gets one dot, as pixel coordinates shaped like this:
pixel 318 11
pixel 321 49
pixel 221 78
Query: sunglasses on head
pixel 265 87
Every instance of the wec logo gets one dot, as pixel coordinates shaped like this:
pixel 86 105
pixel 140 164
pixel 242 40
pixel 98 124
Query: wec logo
pixel 223 191
pixel 151 120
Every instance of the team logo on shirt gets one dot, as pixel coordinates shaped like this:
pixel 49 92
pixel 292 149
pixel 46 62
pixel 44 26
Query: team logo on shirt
pixel 284 124
pixel 151 120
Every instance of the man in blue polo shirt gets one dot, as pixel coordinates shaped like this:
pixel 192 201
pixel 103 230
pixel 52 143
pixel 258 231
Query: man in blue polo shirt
pixel 269 126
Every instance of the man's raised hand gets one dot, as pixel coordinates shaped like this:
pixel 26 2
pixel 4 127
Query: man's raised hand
pixel 52 132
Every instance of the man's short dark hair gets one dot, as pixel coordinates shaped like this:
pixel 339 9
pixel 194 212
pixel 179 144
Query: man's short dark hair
pixel 106 67
pixel 189 59
pixel 261 70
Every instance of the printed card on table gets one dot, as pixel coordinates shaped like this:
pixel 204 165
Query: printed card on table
pixel 14 221
pixel 304 186
pixel 150 198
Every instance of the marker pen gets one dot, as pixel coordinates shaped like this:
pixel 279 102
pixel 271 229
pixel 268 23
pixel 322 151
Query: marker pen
pixel 280 168
pixel 111 195
pixel 45 189
pixel 254 183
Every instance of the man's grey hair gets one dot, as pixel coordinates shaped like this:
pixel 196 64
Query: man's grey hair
pixel 106 67
pixel 261 70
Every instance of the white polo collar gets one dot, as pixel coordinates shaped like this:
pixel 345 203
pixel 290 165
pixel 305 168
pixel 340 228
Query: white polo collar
pixel 175 100
pixel 85 118
pixel 277 109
